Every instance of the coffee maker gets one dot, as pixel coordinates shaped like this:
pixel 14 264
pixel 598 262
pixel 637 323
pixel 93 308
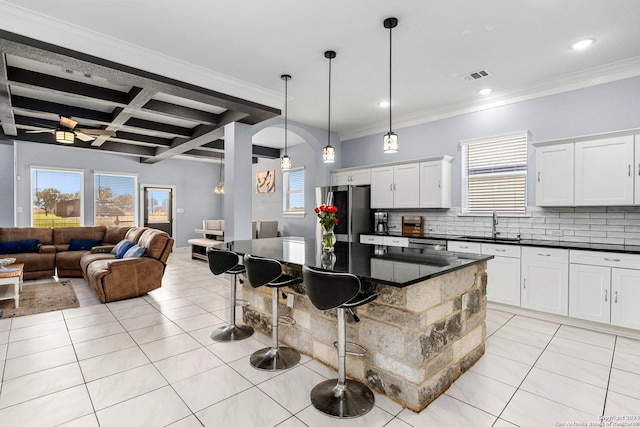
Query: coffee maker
pixel 382 225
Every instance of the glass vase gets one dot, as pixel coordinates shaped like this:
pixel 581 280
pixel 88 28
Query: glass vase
pixel 328 239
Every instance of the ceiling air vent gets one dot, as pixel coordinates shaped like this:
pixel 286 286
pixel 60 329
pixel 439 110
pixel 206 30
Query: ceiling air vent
pixel 476 75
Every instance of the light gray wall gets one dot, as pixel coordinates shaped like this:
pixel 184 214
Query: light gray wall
pixel 194 182
pixel 269 206
pixel 597 109
pixel 6 184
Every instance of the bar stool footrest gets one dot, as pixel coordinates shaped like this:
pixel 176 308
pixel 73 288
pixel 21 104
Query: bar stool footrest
pixel 286 320
pixel 242 302
pixel 356 349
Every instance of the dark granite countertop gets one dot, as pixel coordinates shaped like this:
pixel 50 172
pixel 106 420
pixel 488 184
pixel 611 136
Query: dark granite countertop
pixel 368 262
pixel 604 247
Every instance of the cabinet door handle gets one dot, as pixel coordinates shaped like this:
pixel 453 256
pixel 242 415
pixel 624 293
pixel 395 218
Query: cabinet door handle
pixel 464 247
pixel 629 170
pixel 390 187
pixel 638 169
pixel 605 295
pixel 500 250
pixel 439 184
pixel 524 283
pixel 612 259
pixel 615 297
pixel 394 186
pixel 544 254
pixel 538 176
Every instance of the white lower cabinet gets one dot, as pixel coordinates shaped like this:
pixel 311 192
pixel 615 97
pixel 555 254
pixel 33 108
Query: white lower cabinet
pixel 603 292
pixel 503 273
pixel 590 292
pixel 545 280
pixel 625 295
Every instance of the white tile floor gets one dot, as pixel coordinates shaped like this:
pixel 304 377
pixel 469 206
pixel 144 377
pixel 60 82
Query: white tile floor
pixel 149 362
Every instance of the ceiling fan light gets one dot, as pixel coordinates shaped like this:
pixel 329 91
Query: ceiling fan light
pixel 285 163
pixel 329 154
pixel 65 137
pixel 390 143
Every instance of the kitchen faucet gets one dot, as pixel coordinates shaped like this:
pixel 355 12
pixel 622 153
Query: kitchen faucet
pixel 494 222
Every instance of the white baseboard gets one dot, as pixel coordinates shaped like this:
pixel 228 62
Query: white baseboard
pixel 566 320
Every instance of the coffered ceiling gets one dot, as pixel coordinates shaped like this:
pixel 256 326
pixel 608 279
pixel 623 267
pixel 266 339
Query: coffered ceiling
pixel 150 116
pixel 238 50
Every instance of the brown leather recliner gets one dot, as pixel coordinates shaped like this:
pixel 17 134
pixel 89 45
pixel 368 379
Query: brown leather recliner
pixel 115 279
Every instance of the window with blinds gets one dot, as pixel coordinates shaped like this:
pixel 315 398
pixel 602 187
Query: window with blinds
pixel 115 199
pixel 293 200
pixel 494 175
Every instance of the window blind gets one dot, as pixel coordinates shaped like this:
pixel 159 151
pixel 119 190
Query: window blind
pixel 115 199
pixel 494 175
pixel 294 190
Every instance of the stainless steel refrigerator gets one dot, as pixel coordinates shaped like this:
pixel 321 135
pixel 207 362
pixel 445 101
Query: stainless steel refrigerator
pixel 354 210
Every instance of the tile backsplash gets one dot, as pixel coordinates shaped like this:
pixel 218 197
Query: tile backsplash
pixel 610 225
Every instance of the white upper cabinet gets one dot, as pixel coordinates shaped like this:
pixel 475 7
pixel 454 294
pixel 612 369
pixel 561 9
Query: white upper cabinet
pixel 396 186
pixel 604 172
pixel 637 171
pixel 382 187
pixel 351 177
pixel 435 183
pixel 554 175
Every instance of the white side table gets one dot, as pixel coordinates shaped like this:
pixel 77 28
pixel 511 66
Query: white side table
pixel 11 283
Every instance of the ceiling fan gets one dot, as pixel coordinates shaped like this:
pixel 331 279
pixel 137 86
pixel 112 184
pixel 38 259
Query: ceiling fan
pixel 66 132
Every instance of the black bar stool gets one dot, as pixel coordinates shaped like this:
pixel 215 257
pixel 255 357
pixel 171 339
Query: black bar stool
pixel 268 272
pixel 224 261
pixel 343 398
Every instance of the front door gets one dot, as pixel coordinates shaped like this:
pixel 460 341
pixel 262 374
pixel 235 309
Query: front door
pixel 158 208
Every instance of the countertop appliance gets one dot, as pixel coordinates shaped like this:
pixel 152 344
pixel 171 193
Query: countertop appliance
pixel 354 211
pixel 381 221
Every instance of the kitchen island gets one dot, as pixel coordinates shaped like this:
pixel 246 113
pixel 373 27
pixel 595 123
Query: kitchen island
pixel 423 331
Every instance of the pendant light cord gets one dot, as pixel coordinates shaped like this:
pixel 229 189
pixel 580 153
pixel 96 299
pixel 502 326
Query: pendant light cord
pixel 329 124
pixel 390 104
pixel 286 102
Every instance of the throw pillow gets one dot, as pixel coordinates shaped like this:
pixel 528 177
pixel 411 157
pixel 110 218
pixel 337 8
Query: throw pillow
pixel 83 245
pixel 135 251
pixel 121 248
pixel 19 246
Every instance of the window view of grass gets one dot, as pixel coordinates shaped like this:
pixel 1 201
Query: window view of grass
pixel 57 198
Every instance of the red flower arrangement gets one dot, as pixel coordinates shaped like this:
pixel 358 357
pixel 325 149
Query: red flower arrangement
pixel 327 216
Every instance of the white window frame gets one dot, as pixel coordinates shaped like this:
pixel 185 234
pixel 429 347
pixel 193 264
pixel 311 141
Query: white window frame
pixel 33 168
pixel 134 195
pixel 498 170
pixel 286 209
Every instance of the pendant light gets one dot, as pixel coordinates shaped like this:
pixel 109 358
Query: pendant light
pixel 390 140
pixel 329 152
pixel 219 189
pixel 285 161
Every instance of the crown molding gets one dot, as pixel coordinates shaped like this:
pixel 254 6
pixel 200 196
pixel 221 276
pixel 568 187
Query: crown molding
pixel 594 76
pixel 37 26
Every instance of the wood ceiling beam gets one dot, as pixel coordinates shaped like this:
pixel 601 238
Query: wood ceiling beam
pixel 202 135
pixel 7 118
pixel 36 105
pixel 59 85
pixel 137 97
pixel 186 113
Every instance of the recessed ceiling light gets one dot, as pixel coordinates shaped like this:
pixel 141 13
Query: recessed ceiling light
pixel 383 104
pixel 486 91
pixel 582 44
